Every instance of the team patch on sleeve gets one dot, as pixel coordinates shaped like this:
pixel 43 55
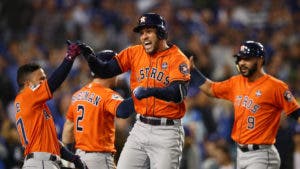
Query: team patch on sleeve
pixel 183 68
pixel 288 96
pixel 116 97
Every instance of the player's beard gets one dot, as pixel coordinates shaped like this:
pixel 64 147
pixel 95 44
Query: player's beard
pixel 250 71
pixel 154 48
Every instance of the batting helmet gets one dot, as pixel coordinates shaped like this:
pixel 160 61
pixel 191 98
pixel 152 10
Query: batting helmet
pixel 251 49
pixel 105 56
pixel 152 20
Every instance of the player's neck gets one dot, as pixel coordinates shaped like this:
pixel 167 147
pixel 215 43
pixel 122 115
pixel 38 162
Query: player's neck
pixel 102 82
pixel 256 75
pixel 163 46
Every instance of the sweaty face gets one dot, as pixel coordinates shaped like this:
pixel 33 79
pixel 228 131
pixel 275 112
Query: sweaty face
pixel 36 78
pixel 149 40
pixel 248 66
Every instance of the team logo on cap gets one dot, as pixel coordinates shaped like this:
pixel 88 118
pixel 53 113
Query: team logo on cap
pixel 288 96
pixel 143 19
pixel 245 49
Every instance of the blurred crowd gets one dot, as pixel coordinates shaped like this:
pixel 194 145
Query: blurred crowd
pixel 210 30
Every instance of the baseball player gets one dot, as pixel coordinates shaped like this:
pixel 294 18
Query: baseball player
pixel 90 119
pixel 160 73
pixel 34 121
pixel 258 101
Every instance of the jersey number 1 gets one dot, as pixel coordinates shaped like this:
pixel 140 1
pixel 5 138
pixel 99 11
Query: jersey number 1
pixel 80 109
pixel 22 132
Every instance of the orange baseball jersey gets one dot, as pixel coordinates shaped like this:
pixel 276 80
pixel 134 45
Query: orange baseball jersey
pixel 93 110
pixel 157 70
pixel 34 121
pixel 257 107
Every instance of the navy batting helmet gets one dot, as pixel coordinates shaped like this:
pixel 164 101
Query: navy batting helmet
pixel 251 49
pixel 152 20
pixel 105 55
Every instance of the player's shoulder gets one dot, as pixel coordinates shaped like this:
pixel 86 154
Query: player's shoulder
pixel 275 81
pixel 176 50
pixel 135 48
pixel 175 53
pixel 237 77
pixel 131 50
pixel 110 94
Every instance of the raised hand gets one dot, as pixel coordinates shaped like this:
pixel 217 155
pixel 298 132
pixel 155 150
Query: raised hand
pixel 86 50
pixel 73 50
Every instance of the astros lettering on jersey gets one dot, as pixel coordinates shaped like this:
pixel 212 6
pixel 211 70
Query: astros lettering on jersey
pixel 157 70
pixel 257 107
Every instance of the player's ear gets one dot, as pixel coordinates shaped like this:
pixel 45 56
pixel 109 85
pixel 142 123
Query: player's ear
pixel 191 59
pixel 26 83
pixel 261 60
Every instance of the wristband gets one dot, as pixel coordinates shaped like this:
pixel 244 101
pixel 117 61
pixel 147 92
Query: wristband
pixel 200 77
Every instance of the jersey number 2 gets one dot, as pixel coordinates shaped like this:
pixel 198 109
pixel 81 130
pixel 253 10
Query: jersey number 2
pixel 80 109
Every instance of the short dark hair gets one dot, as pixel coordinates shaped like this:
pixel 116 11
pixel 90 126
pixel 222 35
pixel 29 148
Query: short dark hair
pixel 24 71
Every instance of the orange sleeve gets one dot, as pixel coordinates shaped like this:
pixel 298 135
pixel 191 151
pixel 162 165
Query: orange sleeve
pixel 180 68
pixel 124 59
pixel 286 99
pixel 223 89
pixel 38 94
pixel 112 102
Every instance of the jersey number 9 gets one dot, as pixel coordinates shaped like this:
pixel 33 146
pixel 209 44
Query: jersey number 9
pixel 251 122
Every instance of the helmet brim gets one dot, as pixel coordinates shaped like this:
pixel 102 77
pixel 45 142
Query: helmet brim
pixel 239 55
pixel 244 55
pixel 137 29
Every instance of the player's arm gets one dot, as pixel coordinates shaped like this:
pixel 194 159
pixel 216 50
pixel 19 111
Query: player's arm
pixel 175 92
pixel 68 135
pixel 125 108
pixel 100 68
pixel 203 82
pixel 69 156
pixel 295 115
pixel 60 74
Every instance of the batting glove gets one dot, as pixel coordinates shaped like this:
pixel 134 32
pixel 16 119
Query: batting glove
pixel 141 92
pixel 73 50
pixel 86 51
